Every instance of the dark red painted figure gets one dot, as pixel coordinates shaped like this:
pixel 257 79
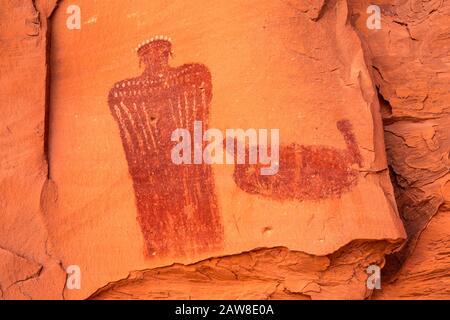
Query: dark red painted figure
pixel 306 172
pixel 177 208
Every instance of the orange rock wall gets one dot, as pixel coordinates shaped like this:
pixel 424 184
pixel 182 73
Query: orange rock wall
pixel 410 63
pixel 68 198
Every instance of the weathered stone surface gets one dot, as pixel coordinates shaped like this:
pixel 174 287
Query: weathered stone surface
pixel 272 65
pixel 410 61
pixel 425 274
pixel 262 274
pixel 310 68
pixel 27 268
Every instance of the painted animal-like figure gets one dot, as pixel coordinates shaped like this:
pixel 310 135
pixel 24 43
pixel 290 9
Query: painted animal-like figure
pixel 305 172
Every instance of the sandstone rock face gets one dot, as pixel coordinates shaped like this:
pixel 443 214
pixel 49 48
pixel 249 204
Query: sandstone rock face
pixel 410 60
pixel 87 176
pixel 261 274
pixel 27 267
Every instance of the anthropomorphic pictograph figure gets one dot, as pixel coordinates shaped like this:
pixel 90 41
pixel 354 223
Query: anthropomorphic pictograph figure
pixel 177 208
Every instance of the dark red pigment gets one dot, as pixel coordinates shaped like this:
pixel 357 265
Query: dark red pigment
pixel 306 172
pixel 177 207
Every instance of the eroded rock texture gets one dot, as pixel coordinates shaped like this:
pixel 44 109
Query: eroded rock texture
pixel 261 274
pixel 27 269
pixel 78 159
pixel 410 64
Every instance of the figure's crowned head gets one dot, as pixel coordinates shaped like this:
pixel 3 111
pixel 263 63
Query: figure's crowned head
pixel 157 50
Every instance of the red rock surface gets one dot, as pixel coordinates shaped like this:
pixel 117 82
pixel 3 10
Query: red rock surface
pixel 26 266
pixel 410 63
pixel 73 192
